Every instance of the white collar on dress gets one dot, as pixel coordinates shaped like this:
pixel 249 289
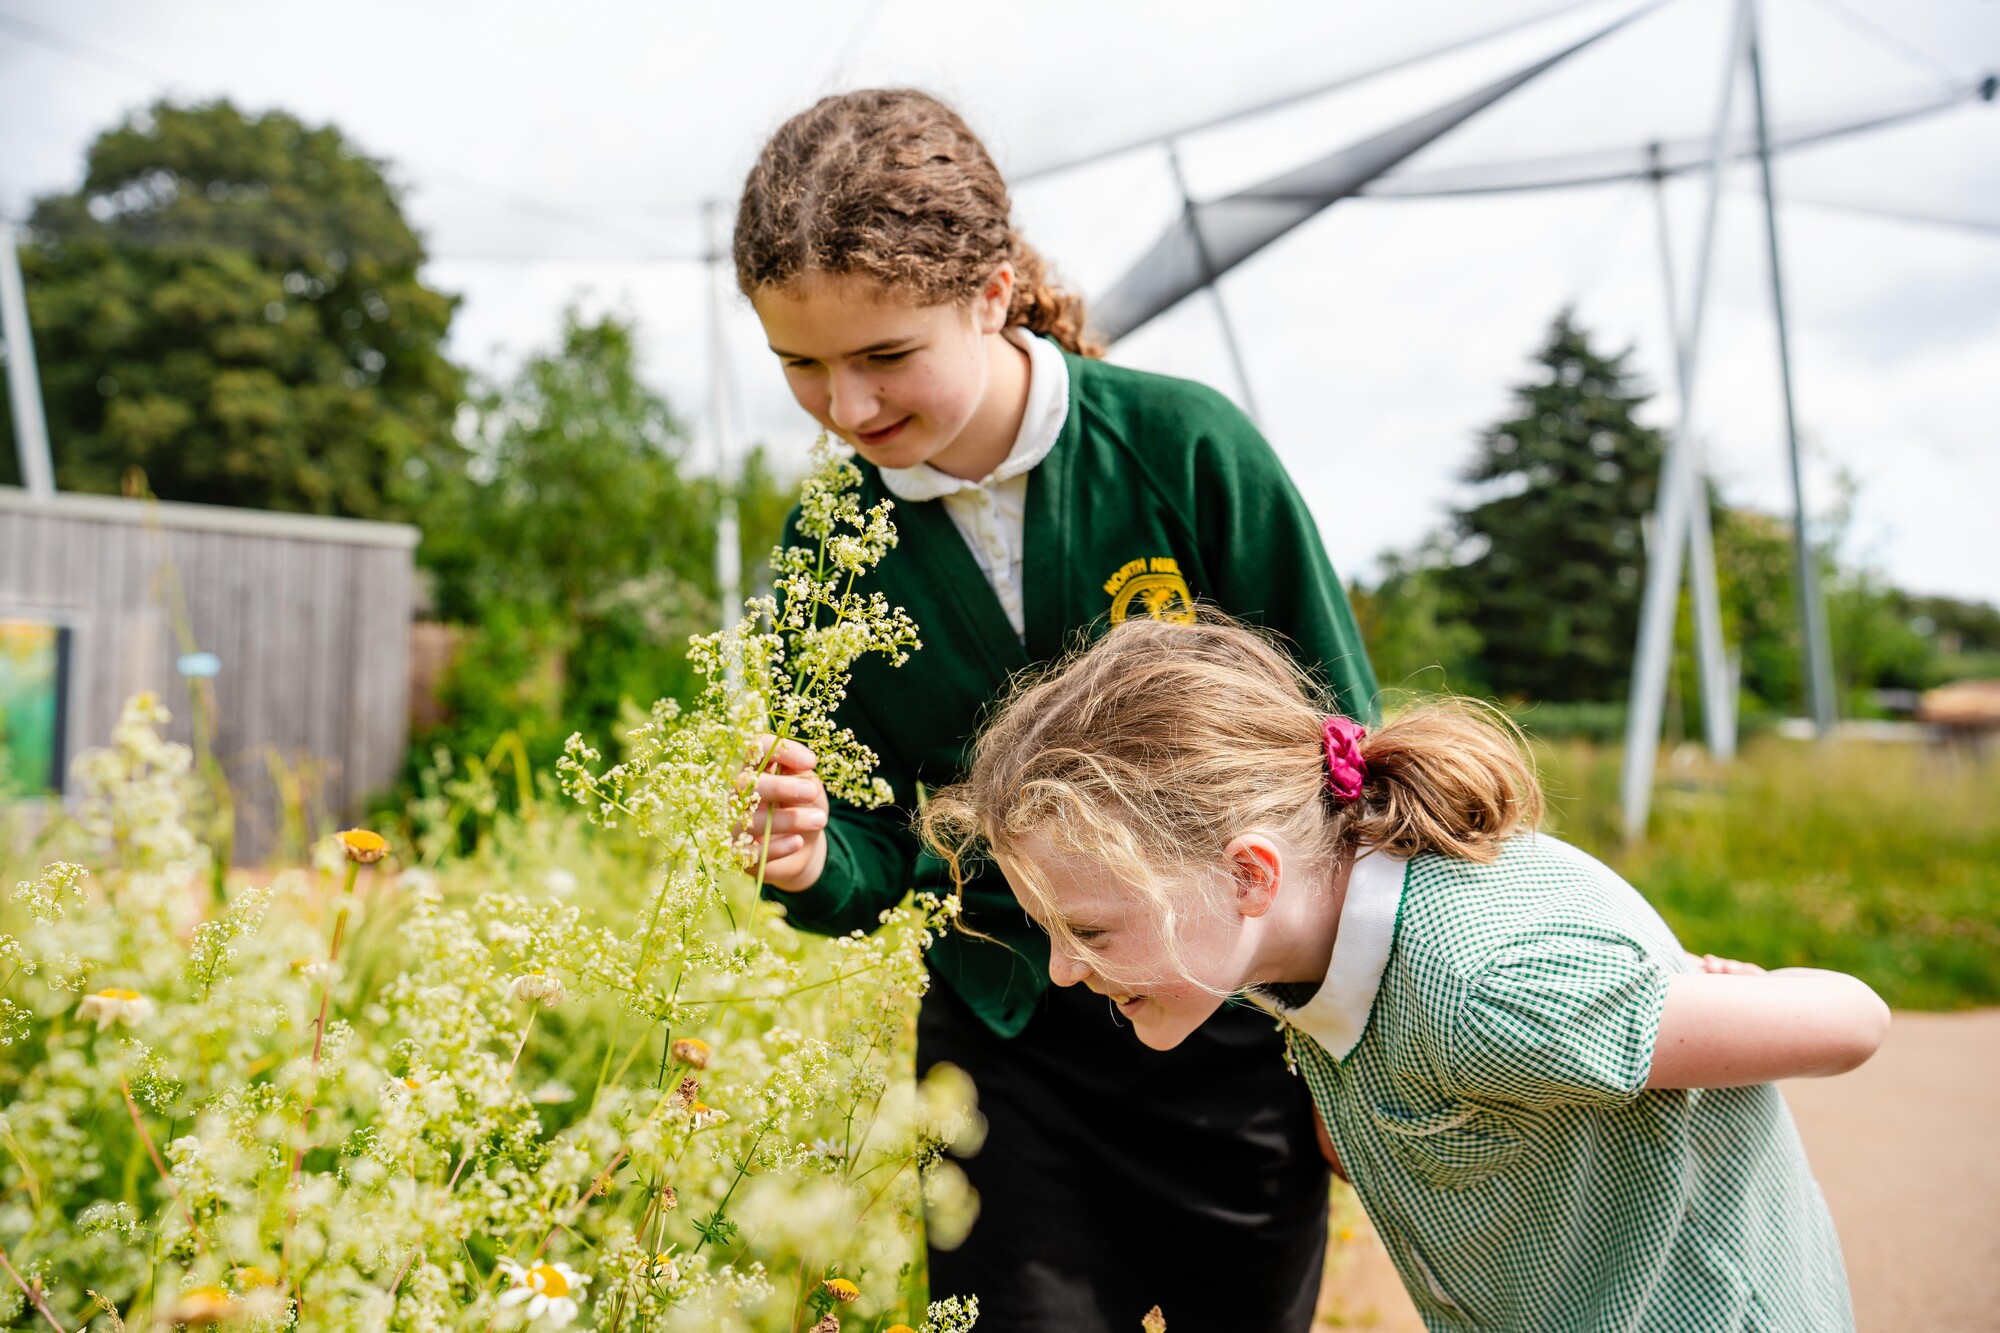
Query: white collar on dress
pixel 1337 1014
pixel 1041 426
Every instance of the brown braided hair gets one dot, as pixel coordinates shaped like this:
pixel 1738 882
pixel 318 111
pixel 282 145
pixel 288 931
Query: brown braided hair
pixel 891 184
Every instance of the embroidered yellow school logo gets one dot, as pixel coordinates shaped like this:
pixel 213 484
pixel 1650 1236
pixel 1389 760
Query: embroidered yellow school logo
pixel 1150 587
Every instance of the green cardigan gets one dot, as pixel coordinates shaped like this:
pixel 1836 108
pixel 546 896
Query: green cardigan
pixel 1159 492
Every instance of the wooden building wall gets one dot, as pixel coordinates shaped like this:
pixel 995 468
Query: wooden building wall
pixel 310 617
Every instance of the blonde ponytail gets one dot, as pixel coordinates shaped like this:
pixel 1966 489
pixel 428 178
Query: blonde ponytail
pixel 1446 777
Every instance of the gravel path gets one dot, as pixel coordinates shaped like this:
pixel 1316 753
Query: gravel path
pixel 1907 1149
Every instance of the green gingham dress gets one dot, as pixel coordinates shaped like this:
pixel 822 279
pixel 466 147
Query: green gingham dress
pixel 1479 1052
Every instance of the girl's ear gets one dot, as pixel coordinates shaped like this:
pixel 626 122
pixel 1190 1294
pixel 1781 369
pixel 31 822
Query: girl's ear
pixel 995 299
pixel 1256 865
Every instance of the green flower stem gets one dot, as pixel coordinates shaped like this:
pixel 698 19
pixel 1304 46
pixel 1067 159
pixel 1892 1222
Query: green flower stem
pixel 742 1170
pixel 319 1038
pixel 796 990
pixel 165 1175
pixel 466 1156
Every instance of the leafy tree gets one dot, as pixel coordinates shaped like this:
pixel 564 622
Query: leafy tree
pixel 231 302
pixel 1414 626
pixel 576 547
pixel 1756 577
pixel 1556 566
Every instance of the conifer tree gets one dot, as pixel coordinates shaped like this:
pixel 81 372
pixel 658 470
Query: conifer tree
pixel 1555 541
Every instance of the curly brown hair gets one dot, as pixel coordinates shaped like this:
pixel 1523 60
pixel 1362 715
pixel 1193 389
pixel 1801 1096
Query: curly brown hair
pixel 890 183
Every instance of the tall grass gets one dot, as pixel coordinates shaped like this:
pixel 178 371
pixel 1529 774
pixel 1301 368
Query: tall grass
pixel 1880 860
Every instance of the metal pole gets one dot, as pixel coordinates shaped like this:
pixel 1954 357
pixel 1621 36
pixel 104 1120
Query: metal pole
pixel 728 542
pixel 1671 518
pixel 1718 684
pixel 1812 612
pixel 1209 281
pixel 24 385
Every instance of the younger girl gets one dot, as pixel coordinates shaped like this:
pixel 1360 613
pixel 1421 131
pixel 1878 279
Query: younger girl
pixel 1555 1118
pixel 1039 495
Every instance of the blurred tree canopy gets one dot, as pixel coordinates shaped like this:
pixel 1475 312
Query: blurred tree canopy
pixel 575 548
pixel 231 303
pixel 1554 557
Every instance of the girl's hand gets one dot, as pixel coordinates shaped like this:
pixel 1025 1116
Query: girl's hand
pixel 1724 1028
pixel 1708 962
pixel 788 823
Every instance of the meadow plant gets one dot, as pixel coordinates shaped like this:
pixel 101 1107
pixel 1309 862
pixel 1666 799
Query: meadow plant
pixel 370 1095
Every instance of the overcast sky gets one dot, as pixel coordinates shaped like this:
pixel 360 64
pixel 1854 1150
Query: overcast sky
pixel 551 153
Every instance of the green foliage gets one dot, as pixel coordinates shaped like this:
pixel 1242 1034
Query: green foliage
pixel 576 548
pixel 1880 860
pixel 231 303
pixel 1554 579
pixel 568 1076
pixel 1413 623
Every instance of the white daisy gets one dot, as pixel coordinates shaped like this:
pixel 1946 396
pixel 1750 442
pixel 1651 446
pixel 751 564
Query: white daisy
pixel 537 985
pixel 115 1005
pixel 548 1290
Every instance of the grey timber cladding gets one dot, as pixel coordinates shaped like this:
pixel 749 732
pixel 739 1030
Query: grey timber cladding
pixel 309 616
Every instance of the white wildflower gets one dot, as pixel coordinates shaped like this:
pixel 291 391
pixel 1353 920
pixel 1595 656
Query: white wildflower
pixel 537 985
pixel 115 1005
pixel 547 1290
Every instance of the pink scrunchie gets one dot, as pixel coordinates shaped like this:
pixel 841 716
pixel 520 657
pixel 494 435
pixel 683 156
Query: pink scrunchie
pixel 1345 768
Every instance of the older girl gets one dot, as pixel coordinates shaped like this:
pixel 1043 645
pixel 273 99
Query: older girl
pixel 1555 1118
pixel 1040 494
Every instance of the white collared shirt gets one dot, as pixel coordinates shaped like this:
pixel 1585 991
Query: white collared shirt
pixel 991 514
pixel 1337 1014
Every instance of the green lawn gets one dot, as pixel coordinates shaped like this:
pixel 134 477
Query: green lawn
pixel 1880 860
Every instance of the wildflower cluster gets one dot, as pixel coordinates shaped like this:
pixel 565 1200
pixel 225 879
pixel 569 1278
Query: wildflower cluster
pixel 556 1081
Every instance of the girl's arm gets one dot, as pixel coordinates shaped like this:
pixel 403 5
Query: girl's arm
pixel 1731 1030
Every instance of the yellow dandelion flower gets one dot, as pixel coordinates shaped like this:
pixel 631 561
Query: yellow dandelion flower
pixel 692 1051
pixel 115 1005
pixel 899 1328
pixel 362 847
pixel 841 1289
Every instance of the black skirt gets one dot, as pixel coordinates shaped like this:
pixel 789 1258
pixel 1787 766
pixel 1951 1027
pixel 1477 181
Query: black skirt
pixel 1115 1177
